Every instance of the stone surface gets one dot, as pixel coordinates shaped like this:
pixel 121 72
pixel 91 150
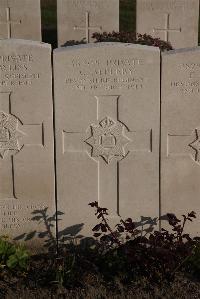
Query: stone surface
pixel 180 172
pixel 175 21
pixel 79 19
pixel 26 136
pixel 107 132
pixel 20 19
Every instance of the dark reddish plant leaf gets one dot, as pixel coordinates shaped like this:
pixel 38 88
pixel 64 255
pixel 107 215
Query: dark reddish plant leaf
pixel 189 219
pixel 93 204
pixel 120 228
pixel 103 227
pixel 96 235
pixel 192 214
pixel 129 220
pixel 96 228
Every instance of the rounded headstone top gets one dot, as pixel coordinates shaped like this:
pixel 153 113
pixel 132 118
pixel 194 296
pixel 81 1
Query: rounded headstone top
pixel 106 45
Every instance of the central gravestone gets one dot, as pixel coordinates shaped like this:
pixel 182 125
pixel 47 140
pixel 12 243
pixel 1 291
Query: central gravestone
pixel 175 21
pixel 26 138
pixel 107 131
pixel 79 19
pixel 20 19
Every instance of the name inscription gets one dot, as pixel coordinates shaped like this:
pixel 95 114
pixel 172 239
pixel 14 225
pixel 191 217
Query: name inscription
pixel 110 74
pixel 167 5
pixel 89 4
pixel 16 216
pixel 190 84
pixel 17 70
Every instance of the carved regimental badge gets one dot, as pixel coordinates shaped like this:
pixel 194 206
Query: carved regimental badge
pixel 108 140
pixel 195 145
pixel 8 134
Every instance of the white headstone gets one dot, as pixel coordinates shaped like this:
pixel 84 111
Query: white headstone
pixel 26 137
pixel 20 19
pixel 175 21
pixel 180 173
pixel 79 19
pixel 107 131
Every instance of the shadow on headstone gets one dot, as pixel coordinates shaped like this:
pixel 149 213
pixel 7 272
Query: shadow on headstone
pixel 68 236
pixel 71 236
pixel 146 224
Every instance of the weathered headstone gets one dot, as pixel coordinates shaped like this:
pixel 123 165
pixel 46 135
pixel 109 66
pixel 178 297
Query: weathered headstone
pixel 180 173
pixel 175 21
pixel 107 131
pixel 79 19
pixel 26 137
pixel 20 19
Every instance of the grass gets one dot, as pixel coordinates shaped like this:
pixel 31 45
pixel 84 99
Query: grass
pixel 49 15
pixel 95 288
pixel 127 15
pixel 49 22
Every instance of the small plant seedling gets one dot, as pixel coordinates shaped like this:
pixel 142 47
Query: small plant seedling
pixel 12 256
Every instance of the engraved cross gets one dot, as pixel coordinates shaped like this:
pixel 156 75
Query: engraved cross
pixel 9 22
pixel 167 28
pixel 107 142
pixel 184 144
pixel 14 135
pixel 87 27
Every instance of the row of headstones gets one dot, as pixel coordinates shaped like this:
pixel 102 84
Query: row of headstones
pixel 175 21
pixel 110 144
